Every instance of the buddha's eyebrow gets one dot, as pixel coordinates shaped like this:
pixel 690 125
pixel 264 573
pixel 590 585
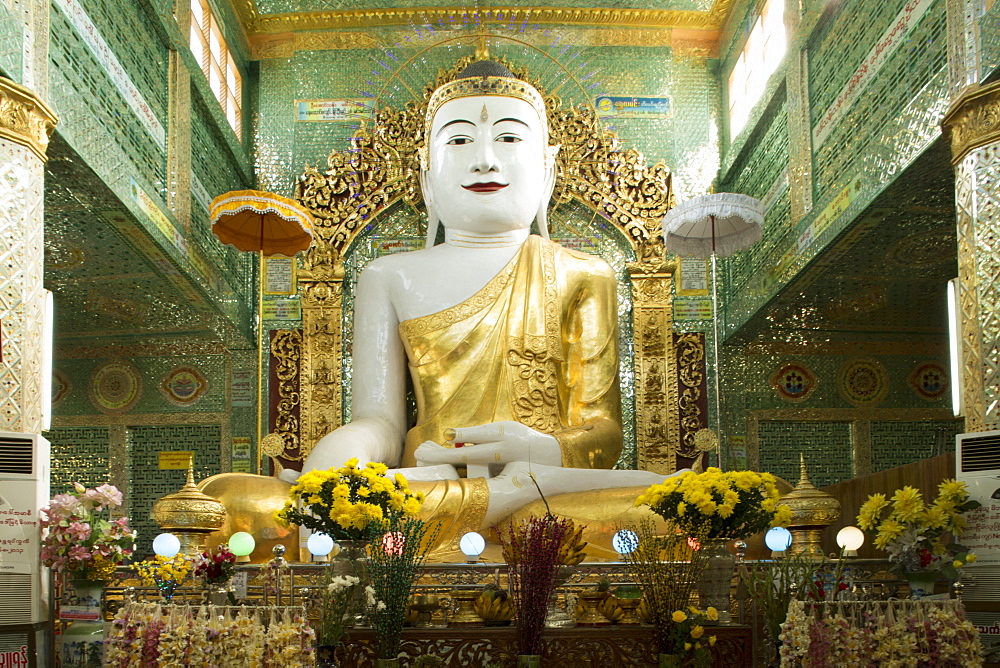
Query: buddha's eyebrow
pixel 457 120
pixel 513 120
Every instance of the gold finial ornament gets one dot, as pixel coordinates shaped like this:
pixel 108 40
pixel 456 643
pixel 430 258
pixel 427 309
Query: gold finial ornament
pixel 190 514
pixel 812 511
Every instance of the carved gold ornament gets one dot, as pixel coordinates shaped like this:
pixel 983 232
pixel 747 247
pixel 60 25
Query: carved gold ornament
pixel 25 119
pixel 973 121
pixel 606 17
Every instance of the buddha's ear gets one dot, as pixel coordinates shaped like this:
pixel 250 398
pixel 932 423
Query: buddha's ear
pixel 541 216
pixel 432 217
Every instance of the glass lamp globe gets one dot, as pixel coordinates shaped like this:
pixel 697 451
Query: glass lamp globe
pixel 242 544
pixel 850 539
pixel 166 545
pixel 320 546
pixel 625 541
pixel 778 539
pixel 472 545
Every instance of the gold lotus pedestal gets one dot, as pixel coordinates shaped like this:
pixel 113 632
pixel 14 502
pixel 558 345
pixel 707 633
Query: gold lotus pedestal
pixel 190 514
pixel 812 511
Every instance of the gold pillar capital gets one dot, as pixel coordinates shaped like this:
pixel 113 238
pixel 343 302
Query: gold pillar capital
pixel 24 118
pixel 973 121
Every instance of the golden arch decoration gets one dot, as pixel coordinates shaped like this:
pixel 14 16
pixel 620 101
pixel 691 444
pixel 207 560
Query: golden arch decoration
pixel 381 169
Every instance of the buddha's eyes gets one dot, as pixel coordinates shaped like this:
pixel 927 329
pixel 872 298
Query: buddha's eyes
pixel 508 138
pixel 460 140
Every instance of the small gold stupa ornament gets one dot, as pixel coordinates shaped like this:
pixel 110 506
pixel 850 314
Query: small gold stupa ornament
pixel 812 511
pixel 190 514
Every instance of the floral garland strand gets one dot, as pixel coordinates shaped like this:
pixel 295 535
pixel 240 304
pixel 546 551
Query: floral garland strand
pixel 921 634
pixel 209 636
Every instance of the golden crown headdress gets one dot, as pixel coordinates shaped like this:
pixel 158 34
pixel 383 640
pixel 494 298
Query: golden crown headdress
pixel 485 77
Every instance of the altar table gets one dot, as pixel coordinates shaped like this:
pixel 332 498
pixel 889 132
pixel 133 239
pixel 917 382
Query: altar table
pixel 580 647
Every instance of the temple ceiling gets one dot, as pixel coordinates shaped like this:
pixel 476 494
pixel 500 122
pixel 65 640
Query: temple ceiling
pixel 884 279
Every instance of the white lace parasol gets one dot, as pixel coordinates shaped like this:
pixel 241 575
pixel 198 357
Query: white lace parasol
pixel 719 224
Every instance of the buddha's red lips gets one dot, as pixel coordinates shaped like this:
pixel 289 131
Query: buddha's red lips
pixel 491 187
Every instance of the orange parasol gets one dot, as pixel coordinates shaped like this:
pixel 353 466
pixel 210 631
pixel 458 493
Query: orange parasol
pixel 268 224
pixel 252 220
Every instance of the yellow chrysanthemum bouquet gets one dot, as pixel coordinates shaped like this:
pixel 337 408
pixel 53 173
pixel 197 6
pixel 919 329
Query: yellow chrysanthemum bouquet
pixel 915 533
pixel 717 504
pixel 164 573
pixel 688 638
pixel 342 502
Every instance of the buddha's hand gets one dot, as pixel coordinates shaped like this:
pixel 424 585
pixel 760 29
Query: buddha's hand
pixel 493 443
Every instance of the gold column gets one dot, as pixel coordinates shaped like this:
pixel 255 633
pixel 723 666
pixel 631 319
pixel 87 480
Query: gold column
pixel 972 129
pixel 321 396
pixel 25 126
pixel 657 428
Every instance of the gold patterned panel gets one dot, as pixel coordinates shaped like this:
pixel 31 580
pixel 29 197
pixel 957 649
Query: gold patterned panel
pixel 656 415
pixel 382 168
pixel 24 118
pixel 286 350
pixel 257 24
pixel 973 121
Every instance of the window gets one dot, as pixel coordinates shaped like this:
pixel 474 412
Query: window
pixel 761 55
pixel 210 50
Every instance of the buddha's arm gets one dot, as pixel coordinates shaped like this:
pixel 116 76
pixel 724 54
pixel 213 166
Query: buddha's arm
pixel 589 388
pixel 379 385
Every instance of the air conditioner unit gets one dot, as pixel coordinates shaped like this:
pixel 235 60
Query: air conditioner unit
pixel 977 464
pixel 24 488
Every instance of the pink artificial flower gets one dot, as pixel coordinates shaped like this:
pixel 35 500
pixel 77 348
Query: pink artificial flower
pixel 104 496
pixel 79 553
pixel 62 506
pixel 79 531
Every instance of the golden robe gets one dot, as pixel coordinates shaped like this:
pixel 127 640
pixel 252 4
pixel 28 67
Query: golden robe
pixel 538 344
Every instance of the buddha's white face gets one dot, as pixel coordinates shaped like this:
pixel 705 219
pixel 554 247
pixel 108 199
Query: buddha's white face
pixel 487 168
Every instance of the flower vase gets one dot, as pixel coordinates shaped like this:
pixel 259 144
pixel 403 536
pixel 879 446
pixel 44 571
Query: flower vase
pixel 529 661
pixel 716 582
pixel 352 560
pixel 921 584
pixel 220 595
pixel 326 656
pixel 557 617
pixel 670 661
pixel 81 644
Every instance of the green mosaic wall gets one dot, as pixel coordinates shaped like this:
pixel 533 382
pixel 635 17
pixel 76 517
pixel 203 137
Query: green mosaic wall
pixel 11 41
pixel 759 395
pixel 990 36
pixel 149 483
pixel 826 445
pixel 94 117
pixel 683 142
pixel 152 371
pixel 79 454
pixel 894 120
pixel 842 45
pixel 898 443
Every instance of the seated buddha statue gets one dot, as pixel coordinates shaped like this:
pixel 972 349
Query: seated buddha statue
pixel 509 338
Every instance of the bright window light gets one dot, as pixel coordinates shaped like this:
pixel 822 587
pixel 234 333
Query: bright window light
pixel 210 50
pixel 761 55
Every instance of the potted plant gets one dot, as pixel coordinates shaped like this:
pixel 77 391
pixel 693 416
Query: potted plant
pixel 718 507
pixel 921 537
